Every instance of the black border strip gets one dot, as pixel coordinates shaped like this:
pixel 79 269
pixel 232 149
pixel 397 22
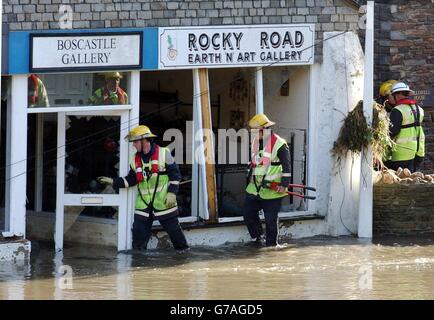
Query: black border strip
pixel 78 34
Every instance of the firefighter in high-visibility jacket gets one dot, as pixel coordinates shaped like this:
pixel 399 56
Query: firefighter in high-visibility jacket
pixel 386 99
pixel 157 177
pixel 406 130
pixel 270 162
pixel 111 93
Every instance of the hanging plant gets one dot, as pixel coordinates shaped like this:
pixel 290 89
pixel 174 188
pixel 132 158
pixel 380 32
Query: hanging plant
pixel 355 134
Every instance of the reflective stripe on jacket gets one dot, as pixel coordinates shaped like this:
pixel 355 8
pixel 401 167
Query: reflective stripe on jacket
pixel 272 172
pixel 406 147
pixel 152 191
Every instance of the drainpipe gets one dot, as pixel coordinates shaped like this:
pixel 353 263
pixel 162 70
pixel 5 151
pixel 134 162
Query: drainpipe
pixel 366 187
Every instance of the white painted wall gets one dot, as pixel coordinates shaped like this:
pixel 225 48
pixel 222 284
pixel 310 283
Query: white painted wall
pixel 289 112
pixel 340 88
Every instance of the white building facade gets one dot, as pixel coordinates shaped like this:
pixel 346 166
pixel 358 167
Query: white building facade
pixel 304 76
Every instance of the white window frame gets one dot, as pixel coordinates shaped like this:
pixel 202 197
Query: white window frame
pixel 118 200
pixel 80 108
pixel 127 122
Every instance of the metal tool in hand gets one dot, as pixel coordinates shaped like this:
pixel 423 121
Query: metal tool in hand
pixel 275 185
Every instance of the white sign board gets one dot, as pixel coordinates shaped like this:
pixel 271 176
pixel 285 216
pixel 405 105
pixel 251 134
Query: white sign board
pixel 235 46
pixel 85 51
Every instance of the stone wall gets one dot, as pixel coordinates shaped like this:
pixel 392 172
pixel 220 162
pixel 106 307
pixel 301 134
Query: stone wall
pixel 327 15
pixel 405 42
pixel 403 209
pixel 404 50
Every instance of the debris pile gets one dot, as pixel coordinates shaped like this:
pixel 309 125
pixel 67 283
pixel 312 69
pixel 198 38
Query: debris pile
pixel 402 176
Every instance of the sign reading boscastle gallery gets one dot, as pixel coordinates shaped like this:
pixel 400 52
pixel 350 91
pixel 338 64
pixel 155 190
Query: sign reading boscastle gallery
pixel 234 46
pixel 85 51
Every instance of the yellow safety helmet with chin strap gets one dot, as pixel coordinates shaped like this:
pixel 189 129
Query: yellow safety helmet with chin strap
pixel 113 75
pixel 260 121
pixel 138 133
pixel 386 88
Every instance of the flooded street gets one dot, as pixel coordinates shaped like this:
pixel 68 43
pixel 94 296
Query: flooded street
pixel 318 268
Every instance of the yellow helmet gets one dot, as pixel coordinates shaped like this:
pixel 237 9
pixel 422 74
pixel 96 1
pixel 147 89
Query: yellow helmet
pixel 386 88
pixel 138 133
pixel 110 75
pixel 260 121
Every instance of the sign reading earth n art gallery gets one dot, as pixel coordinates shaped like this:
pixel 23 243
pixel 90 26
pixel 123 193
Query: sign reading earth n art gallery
pixel 234 46
pixel 85 51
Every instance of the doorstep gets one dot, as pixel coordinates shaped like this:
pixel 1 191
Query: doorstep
pixel 221 224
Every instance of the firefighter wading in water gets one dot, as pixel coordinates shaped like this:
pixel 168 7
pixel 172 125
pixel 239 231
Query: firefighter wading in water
pixel 157 177
pixel 270 162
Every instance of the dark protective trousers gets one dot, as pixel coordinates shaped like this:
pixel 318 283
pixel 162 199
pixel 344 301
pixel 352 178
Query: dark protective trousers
pixel 142 228
pixel 271 209
pixel 394 165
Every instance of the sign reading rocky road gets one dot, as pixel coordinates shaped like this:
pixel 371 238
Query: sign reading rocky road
pixel 235 46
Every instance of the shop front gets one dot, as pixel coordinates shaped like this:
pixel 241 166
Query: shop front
pixel 246 70
pixel 78 95
pixel 195 87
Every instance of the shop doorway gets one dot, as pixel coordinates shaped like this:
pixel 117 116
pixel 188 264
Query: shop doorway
pixel 166 104
pixel 91 144
pixel 63 195
pixel 76 134
pixel 286 102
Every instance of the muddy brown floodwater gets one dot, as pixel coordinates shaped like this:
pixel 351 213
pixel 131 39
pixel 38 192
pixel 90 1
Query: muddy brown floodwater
pixel 317 268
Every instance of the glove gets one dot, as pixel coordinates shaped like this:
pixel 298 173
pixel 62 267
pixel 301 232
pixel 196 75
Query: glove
pixel 278 187
pixel 281 189
pixel 171 200
pixel 105 180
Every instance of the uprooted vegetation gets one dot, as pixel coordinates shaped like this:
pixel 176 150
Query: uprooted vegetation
pixel 355 134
